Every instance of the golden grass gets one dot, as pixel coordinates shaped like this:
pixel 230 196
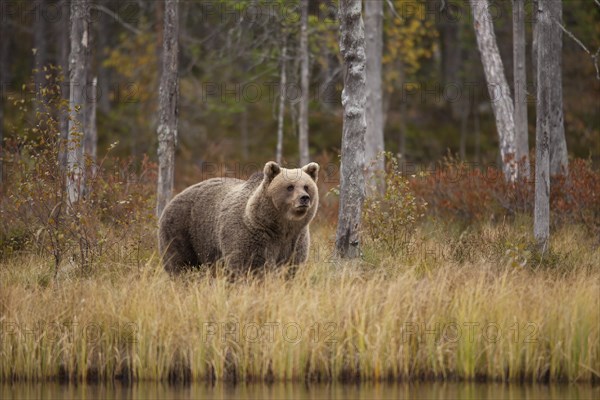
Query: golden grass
pixel 451 308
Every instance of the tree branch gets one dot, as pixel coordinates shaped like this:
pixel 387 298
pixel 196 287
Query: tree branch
pixel 572 36
pixel 392 8
pixel 116 17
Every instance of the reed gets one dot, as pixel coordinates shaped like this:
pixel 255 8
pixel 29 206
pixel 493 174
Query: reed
pixel 446 307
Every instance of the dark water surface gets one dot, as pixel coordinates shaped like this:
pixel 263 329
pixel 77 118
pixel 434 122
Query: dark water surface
pixel 434 391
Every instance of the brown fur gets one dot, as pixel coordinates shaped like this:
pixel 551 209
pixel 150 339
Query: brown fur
pixel 248 224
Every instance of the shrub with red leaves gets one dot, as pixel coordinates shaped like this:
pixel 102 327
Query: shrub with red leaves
pixel 467 192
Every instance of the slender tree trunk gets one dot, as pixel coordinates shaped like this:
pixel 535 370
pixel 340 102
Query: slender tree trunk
pixel 304 81
pixel 4 81
pixel 159 9
pixel 545 87
pixel 559 164
pixel 520 88
pixel 502 104
pixel 328 97
pixel 103 73
pixel 352 183
pixel 466 102
pixel 534 56
pixel 80 17
pixel 168 97
pixel 159 16
pixel 64 49
pixel 40 44
pixel 90 142
pixel 449 27
pixel 403 130
pixel 282 94
pixel 374 143
pixel 1 143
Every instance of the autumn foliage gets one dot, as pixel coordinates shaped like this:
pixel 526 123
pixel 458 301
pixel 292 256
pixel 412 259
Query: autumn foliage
pixel 463 191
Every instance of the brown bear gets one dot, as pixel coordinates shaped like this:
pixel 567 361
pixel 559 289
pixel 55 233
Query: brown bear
pixel 261 222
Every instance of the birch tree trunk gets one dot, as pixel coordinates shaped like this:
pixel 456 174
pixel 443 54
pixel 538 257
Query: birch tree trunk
pixel 282 94
pixel 374 143
pixel 303 116
pixel 352 182
pixel 520 88
pixel 559 164
pixel 545 86
pixel 168 97
pixel 499 91
pixel 80 18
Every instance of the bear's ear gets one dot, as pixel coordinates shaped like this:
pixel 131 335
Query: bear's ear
pixel 272 169
pixel 312 169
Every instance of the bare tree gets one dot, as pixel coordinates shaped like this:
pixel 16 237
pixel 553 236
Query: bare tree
pixel 502 104
pixel 80 18
pixel 520 88
pixel 304 81
pixel 374 143
pixel 168 97
pixel 352 182
pixel 545 86
pixel 282 94
pixel 559 163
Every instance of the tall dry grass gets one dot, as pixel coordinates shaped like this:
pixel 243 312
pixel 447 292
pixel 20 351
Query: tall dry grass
pixel 449 308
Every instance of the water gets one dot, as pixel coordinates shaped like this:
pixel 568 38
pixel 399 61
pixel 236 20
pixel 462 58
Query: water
pixel 433 391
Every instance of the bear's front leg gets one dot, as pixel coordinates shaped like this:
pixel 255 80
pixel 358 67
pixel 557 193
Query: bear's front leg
pixel 301 248
pixel 243 251
pixel 240 263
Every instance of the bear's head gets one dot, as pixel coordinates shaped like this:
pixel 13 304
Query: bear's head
pixel 293 192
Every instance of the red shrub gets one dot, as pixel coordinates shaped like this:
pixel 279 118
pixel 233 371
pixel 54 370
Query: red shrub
pixel 460 190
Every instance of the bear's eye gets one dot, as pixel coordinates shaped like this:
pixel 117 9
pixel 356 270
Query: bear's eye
pixel 306 188
pixel 290 188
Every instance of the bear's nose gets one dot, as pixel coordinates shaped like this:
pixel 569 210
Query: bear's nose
pixel 304 199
